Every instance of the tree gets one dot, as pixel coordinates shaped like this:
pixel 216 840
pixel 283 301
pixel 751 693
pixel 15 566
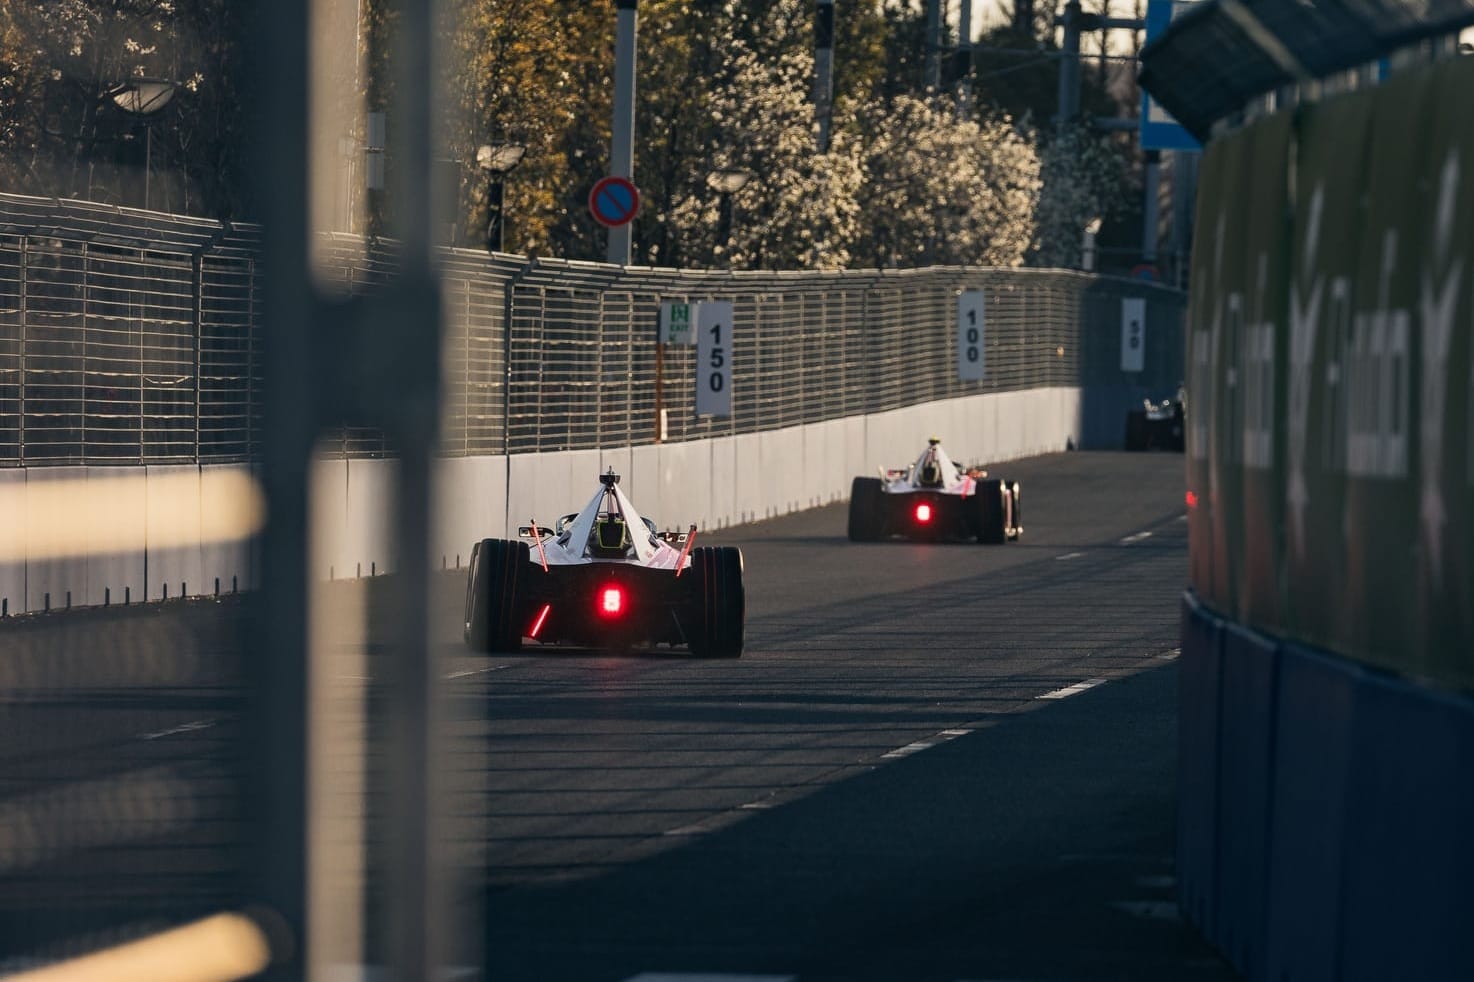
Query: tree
pixel 1085 175
pixel 63 137
pixel 800 209
pixel 942 190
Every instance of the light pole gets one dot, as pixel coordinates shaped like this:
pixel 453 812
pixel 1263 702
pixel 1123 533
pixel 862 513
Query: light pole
pixel 1087 245
pixel 498 160
pixel 142 96
pixel 726 183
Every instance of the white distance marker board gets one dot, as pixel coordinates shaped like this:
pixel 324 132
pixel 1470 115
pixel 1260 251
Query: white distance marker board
pixel 714 358
pixel 970 356
pixel 1133 334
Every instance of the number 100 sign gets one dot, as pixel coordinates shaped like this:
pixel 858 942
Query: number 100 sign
pixel 714 358
pixel 970 335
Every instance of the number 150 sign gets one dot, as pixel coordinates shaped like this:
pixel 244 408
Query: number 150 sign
pixel 714 358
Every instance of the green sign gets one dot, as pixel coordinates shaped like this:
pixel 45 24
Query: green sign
pixel 676 320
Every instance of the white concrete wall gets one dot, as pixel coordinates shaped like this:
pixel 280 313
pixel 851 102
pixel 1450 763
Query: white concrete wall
pixel 13 542
pixel 712 483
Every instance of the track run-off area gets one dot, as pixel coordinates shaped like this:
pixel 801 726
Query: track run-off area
pixel 936 761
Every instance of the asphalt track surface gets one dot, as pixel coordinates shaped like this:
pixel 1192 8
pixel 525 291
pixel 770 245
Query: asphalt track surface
pixel 933 762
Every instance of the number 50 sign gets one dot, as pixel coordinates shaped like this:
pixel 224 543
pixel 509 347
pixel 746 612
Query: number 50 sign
pixel 714 358
pixel 970 335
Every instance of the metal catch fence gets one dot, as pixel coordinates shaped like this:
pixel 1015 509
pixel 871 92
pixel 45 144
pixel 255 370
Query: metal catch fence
pixel 133 337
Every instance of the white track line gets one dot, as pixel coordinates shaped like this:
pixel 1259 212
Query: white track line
pixel 706 977
pixel 720 820
pixel 1069 555
pixel 467 673
pixel 1073 690
pixel 1135 537
pixel 921 745
pixel 190 727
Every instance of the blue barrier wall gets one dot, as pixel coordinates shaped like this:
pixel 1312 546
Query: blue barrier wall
pixel 1326 811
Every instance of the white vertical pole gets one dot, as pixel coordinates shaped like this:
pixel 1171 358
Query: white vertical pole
pixel 964 60
pixel 1150 209
pixel 622 151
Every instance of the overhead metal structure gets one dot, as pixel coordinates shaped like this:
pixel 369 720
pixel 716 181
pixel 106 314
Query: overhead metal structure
pixel 1218 55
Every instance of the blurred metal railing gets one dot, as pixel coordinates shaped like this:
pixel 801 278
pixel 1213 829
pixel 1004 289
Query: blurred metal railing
pixel 132 337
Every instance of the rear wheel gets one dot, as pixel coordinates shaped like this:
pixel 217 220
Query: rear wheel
pixel 1015 509
pixel 990 515
pixel 493 608
pixel 474 632
pixel 866 509
pixel 719 607
pixel 1137 437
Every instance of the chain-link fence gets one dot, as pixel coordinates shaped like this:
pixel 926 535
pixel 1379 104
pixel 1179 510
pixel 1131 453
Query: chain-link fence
pixel 131 337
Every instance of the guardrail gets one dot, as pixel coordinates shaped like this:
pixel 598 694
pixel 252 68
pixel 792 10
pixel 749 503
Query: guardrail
pixel 132 337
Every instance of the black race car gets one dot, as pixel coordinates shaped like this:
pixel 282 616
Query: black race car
pixel 605 577
pixel 934 499
pixel 1158 425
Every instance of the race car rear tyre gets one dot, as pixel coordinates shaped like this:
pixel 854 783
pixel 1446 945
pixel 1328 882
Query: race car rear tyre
pixel 722 624
pixel 474 631
pixel 492 622
pixel 1016 509
pixel 867 514
pixel 990 516
pixel 1138 436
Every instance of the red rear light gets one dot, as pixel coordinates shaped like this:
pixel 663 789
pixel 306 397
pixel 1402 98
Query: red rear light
pixel 611 601
pixel 1192 499
pixel 923 513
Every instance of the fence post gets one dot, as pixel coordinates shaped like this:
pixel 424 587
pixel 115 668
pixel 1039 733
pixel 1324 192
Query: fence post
pixel 25 250
pixel 86 255
pixel 197 272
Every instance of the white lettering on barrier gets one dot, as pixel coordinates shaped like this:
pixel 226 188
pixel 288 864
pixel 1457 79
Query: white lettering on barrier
pixel 1201 380
pixel 1304 320
pixel 1378 382
pixel 1336 406
pixel 1258 362
pixel 1233 400
pixel 1437 308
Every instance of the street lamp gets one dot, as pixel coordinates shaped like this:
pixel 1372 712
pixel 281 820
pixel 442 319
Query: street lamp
pixel 498 160
pixel 727 183
pixel 1087 245
pixel 143 96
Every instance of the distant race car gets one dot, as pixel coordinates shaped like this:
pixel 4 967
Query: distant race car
pixel 1158 425
pixel 932 499
pixel 605 577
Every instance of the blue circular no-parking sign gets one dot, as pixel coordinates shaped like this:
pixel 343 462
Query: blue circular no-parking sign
pixel 614 201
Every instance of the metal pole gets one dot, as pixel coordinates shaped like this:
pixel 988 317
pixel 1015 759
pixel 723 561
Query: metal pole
pixel 416 928
pixel 963 61
pixel 823 69
pixel 25 251
pixel 1069 68
pixel 932 81
pixel 148 161
pixel 1150 210
pixel 199 329
pixel 495 227
pixel 724 229
pixel 1184 197
pixel 622 150
pixel 278 672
